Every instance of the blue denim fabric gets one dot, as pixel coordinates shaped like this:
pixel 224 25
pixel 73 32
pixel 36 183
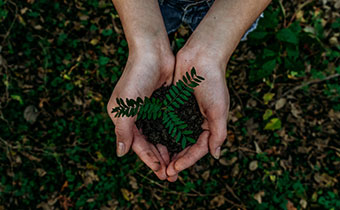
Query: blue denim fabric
pixel 191 12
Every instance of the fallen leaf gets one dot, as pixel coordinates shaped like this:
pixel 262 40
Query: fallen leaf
pixel 42 205
pixel 253 165
pixel 296 112
pixel 17 98
pixel 235 170
pixel 65 185
pixel 258 196
pixel 41 172
pixel 127 194
pixel 38 27
pixel 206 175
pixel 217 201
pixel 226 162
pixel 267 114
pixel 30 114
pixel 280 103
pixel 268 97
pixel 94 42
pixel 273 124
pixel 290 205
pixel 133 182
pixel 337 4
pixel 89 177
pixel 303 203
pixel 257 148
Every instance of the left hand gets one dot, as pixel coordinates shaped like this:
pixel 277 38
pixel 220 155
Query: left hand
pixel 213 99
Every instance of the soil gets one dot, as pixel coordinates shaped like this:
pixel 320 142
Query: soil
pixel 155 131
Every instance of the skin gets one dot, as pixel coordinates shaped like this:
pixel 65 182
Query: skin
pixel 152 64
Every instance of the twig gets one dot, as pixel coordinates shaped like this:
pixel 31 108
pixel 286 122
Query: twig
pixel 8 154
pixel 335 148
pixel 283 12
pixel 232 192
pixel 3 64
pixel 11 26
pixel 238 97
pixel 291 91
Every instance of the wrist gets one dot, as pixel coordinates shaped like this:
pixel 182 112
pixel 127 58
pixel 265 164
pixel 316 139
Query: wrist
pixel 143 41
pixel 209 47
pixel 205 52
pixel 155 57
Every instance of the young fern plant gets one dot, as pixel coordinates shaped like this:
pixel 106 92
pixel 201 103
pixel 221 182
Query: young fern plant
pixel 152 108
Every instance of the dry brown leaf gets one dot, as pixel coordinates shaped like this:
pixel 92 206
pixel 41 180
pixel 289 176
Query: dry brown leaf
pixel 303 203
pixel 290 205
pixel 89 177
pixel 295 111
pixel 337 4
pixel 258 196
pixel 217 201
pixel 280 103
pixel 257 148
pixel 30 114
pixel 206 175
pixel 235 170
pixel 42 205
pixel 41 172
pixel 253 165
pixel 133 182
pixel 226 162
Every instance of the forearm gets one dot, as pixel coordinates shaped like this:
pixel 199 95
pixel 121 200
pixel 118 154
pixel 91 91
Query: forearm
pixel 142 22
pixel 225 23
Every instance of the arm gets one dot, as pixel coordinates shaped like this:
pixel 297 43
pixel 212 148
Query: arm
pixel 224 25
pixel 143 23
pixel 208 50
pixel 149 66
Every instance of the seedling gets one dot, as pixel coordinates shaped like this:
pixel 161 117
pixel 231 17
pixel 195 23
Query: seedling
pixel 152 108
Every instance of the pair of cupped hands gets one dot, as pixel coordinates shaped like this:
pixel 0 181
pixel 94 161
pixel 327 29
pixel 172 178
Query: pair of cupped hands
pixel 153 65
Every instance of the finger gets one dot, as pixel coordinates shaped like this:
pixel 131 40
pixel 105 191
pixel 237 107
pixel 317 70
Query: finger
pixel 163 151
pixel 124 134
pixel 171 167
pixel 161 173
pixel 218 134
pixel 196 152
pixel 172 178
pixel 142 148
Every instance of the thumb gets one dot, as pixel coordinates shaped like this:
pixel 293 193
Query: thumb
pixel 124 133
pixel 218 134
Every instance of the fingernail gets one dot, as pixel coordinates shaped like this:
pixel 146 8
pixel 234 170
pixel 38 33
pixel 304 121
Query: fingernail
pixel 120 149
pixel 217 153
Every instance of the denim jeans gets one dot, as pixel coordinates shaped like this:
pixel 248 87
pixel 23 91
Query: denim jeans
pixel 191 12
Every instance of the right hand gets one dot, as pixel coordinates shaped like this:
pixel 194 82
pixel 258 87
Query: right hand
pixel 146 70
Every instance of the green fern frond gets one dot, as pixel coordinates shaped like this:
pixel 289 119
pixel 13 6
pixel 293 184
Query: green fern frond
pixel 154 108
pixel 151 109
pixel 176 127
pixel 182 90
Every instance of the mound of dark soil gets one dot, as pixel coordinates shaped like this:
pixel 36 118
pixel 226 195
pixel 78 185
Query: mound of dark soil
pixel 156 132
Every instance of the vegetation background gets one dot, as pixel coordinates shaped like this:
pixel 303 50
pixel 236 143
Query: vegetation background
pixel 60 60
